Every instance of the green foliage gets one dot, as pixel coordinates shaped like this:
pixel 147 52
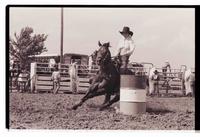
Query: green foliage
pixel 26 44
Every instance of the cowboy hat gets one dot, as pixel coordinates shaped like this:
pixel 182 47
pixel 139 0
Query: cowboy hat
pixel 126 30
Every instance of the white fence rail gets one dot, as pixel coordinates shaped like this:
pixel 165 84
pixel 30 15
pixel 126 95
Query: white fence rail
pixel 41 77
pixel 42 80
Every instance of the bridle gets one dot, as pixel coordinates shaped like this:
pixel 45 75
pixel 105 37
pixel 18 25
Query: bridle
pixel 106 58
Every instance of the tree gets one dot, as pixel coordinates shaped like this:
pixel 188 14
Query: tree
pixel 26 44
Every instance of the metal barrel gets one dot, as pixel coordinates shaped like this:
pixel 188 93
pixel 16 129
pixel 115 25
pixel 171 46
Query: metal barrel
pixel 132 94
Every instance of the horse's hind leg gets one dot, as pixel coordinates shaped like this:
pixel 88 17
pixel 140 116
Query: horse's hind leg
pixel 115 99
pixel 107 99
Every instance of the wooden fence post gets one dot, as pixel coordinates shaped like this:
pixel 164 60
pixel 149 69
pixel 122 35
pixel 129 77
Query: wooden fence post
pixel 73 72
pixel 77 78
pixel 33 77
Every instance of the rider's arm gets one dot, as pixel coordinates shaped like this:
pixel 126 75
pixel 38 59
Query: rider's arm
pixel 132 48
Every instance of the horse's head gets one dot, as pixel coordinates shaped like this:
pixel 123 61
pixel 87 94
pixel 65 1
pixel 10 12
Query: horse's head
pixel 103 55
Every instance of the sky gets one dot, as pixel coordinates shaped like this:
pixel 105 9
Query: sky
pixel 160 34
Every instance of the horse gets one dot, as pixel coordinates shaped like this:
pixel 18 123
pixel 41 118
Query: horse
pixel 107 79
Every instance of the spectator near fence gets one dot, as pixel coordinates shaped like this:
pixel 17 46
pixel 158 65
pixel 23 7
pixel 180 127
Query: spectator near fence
pixel 165 68
pixel 189 80
pixel 153 82
pixel 22 80
pixel 52 64
pixel 192 83
pixel 56 80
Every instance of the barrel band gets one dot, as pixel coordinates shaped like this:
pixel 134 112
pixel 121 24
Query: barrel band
pixel 130 95
pixel 137 101
pixel 132 81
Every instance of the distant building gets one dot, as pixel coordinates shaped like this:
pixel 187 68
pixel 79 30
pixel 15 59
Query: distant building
pixel 45 58
pixel 68 58
pixel 81 59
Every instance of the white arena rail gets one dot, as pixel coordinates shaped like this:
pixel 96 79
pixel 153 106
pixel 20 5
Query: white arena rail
pixel 41 77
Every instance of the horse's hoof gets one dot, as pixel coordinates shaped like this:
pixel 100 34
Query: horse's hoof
pixel 74 107
pixel 101 108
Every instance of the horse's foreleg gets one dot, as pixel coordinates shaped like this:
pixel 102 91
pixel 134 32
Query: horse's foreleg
pixel 115 99
pixel 92 92
pixel 92 88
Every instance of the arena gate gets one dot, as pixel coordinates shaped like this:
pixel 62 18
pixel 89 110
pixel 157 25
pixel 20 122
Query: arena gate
pixel 14 71
pixel 171 80
pixel 13 85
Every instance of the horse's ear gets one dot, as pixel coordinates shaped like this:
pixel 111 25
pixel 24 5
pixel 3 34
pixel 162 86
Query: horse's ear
pixel 99 43
pixel 108 44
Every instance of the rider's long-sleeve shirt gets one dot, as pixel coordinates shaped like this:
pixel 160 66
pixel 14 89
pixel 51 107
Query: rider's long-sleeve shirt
pixel 126 46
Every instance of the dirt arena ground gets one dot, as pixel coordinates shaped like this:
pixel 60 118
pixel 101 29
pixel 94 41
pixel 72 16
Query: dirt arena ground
pixel 49 111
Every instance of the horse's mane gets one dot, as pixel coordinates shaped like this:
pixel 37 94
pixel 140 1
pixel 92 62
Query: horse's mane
pixel 112 64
